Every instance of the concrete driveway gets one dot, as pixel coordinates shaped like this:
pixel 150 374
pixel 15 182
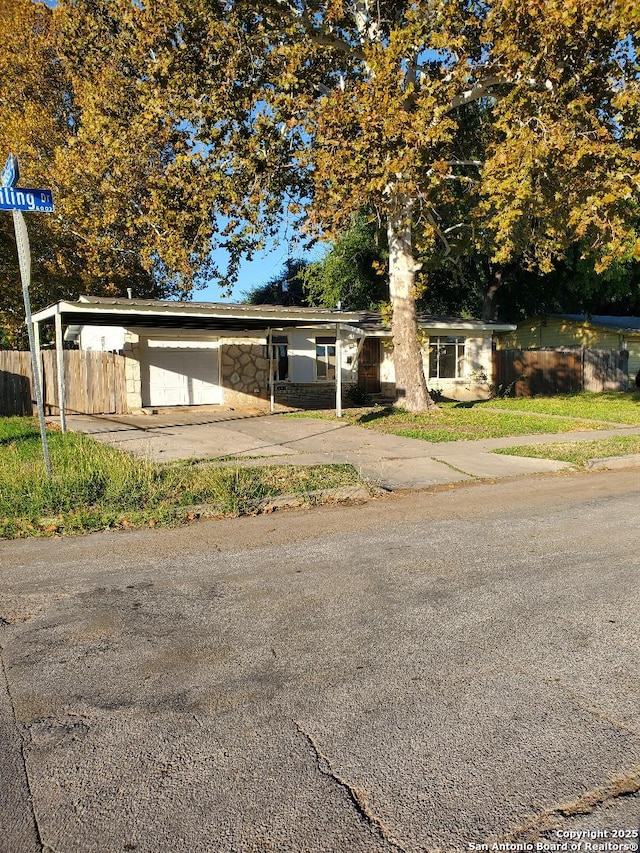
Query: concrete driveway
pixel 419 674
pixel 391 461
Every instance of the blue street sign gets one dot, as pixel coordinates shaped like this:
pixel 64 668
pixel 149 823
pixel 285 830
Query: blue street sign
pixel 11 172
pixel 22 198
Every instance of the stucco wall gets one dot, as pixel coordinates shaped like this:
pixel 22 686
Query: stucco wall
pixel 102 338
pixel 473 385
pixel 302 355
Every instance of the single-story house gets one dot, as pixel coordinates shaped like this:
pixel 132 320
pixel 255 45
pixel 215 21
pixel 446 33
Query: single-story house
pixel 601 332
pixel 265 356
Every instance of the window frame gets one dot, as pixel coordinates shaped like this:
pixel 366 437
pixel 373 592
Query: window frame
pixel 325 341
pixel 276 342
pixel 438 343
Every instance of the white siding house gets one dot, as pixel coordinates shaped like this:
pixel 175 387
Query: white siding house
pixel 246 356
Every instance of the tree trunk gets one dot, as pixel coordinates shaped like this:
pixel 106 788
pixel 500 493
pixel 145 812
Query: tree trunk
pixel 489 302
pixel 489 305
pixel 411 386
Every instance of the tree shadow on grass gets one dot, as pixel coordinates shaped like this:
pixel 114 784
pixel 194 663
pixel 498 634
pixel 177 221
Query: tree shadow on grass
pixel 377 415
pixel 20 437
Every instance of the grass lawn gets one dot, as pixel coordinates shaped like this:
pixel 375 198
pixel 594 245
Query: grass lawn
pixel 578 452
pixel 95 487
pixel 456 422
pixel 620 407
pixel 521 416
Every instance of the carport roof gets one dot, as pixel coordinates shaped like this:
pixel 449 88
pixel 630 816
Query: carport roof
pixel 149 313
pixel 94 311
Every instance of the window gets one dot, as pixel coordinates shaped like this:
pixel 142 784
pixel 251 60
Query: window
pixel 446 357
pixel 280 356
pixel 325 359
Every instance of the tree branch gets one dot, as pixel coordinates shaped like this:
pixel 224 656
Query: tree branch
pixel 432 221
pixel 476 93
pixel 320 36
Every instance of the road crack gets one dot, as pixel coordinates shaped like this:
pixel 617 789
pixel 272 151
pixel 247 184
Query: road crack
pixel 623 785
pixel 32 809
pixel 357 796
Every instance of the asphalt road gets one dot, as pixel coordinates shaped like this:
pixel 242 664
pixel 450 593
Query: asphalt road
pixel 431 671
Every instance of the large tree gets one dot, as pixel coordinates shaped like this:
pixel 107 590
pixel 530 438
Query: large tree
pixel 284 288
pixel 351 272
pixel 505 127
pixel 74 109
pixel 502 126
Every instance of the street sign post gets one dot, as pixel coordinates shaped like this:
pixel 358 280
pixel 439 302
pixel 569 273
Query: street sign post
pixel 18 199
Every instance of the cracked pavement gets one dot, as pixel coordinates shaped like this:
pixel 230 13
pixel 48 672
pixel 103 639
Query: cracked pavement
pixel 419 673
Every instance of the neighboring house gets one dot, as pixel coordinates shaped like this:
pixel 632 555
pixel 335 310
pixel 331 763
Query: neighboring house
pixel 601 332
pixel 257 356
pixel 99 338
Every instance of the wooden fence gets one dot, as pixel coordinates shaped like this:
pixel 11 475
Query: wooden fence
pixel 15 383
pixel 95 383
pixel 605 370
pixel 524 373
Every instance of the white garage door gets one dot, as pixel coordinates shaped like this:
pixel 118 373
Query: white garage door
pixel 180 373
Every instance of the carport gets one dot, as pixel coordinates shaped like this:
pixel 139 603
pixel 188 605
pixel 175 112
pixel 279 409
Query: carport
pixel 193 361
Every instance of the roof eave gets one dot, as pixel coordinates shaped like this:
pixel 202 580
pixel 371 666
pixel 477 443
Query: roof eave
pixel 267 315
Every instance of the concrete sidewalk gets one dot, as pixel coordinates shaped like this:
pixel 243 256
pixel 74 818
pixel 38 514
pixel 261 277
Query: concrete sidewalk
pixel 390 461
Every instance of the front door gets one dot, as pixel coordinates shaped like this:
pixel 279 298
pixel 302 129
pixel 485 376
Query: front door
pixel 369 366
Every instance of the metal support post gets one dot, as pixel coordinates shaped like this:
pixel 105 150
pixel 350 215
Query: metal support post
pixel 338 372
pixel 62 391
pixel 36 338
pixel 272 406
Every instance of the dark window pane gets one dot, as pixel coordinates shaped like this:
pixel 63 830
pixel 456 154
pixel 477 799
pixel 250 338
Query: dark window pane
pixel 448 361
pixel 433 361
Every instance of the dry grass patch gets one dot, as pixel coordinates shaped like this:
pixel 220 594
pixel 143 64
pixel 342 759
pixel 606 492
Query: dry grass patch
pixel 578 452
pixel 95 486
pixel 461 422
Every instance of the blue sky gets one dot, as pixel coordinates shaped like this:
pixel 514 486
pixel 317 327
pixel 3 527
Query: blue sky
pixel 252 273
pixel 264 266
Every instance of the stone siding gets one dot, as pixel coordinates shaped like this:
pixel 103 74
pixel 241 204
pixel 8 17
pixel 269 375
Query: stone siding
pixel 309 395
pixel 244 373
pixel 131 352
